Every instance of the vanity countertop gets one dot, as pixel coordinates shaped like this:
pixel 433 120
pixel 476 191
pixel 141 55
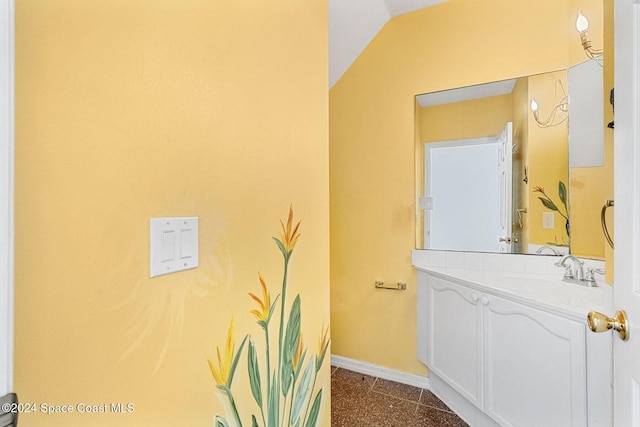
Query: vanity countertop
pixel 545 290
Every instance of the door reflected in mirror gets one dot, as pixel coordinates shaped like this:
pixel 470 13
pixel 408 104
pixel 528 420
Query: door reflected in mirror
pixel 498 164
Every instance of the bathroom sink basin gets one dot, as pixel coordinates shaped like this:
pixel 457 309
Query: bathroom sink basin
pixel 529 284
pixel 570 294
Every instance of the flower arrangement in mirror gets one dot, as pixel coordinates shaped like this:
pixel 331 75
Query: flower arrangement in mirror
pixel 288 398
pixel 549 204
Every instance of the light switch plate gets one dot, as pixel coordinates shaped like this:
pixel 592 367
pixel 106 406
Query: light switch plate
pixel 548 221
pixel 425 203
pixel 173 244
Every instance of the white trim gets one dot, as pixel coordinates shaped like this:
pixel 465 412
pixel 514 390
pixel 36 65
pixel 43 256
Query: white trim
pixel 380 372
pixel 626 215
pixel 462 142
pixel 7 94
pixel 635 135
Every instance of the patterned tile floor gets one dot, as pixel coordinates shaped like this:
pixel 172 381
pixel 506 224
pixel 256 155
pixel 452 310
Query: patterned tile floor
pixel 359 400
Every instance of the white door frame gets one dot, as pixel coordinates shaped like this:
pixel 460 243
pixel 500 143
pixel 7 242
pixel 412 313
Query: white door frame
pixel 7 94
pixel 626 291
pixel 505 182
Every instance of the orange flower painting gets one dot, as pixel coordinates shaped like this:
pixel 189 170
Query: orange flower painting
pixel 290 396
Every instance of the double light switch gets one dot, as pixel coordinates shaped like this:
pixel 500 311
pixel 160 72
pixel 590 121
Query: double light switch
pixel 174 244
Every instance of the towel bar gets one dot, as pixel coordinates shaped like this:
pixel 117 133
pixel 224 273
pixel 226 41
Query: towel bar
pixel 398 287
pixel 603 221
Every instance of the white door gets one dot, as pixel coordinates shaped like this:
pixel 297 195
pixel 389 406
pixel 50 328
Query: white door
pixel 461 198
pixel 6 196
pixel 505 239
pixel 626 354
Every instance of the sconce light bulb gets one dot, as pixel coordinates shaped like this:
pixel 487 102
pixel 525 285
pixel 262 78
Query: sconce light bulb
pixel 534 105
pixel 582 23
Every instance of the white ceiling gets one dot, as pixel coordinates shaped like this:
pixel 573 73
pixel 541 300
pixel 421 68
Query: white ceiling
pixel 354 23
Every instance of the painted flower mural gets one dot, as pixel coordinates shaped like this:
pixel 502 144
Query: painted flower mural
pixel 287 396
pixel 549 204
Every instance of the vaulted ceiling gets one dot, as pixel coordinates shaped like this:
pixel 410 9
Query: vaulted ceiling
pixel 354 23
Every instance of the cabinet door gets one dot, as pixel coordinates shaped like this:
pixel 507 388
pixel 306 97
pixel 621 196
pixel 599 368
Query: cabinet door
pixel 535 367
pixel 453 337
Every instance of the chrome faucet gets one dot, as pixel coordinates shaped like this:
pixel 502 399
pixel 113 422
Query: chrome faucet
pixel 569 275
pixel 589 275
pixel 551 248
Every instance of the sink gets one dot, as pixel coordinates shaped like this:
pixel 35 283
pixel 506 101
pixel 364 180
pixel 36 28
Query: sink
pixel 530 284
pixel 555 291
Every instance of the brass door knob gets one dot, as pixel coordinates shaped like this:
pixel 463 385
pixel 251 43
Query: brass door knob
pixel 598 322
pixel 508 239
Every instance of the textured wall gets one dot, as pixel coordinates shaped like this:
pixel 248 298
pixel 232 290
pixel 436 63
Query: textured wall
pixel 128 110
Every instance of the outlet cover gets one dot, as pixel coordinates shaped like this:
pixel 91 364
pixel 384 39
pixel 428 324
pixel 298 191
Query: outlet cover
pixel 548 220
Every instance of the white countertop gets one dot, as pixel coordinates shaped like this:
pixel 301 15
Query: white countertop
pixel 546 290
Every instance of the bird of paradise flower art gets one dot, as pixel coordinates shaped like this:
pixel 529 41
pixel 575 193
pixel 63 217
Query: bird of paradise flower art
pixel 226 367
pixel 288 398
pixel 549 204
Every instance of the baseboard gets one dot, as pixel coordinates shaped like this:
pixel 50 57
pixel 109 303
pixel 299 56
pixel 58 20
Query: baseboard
pixel 380 372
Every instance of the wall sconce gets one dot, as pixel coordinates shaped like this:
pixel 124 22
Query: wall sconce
pixel 582 25
pixel 561 106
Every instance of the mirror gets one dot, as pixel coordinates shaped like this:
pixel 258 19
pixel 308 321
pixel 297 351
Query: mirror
pixel 514 166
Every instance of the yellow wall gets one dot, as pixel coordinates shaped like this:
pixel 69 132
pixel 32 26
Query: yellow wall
pixel 588 187
pixel 131 110
pixel 548 160
pixel 453 44
pixel 468 119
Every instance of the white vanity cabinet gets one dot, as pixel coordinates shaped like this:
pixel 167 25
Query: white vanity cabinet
pixel 534 365
pixel 500 361
pixel 453 349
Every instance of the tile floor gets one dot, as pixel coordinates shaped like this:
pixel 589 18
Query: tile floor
pixel 359 400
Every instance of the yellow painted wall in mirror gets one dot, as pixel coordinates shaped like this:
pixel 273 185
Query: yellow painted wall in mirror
pixel 548 160
pixel 453 44
pixel 590 187
pixel 587 187
pixel 468 119
pixel 131 110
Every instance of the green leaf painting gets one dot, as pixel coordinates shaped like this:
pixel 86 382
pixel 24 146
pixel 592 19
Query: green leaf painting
pixel 301 395
pixel 254 373
pixel 562 193
pixel 286 398
pixel 291 340
pixel 315 410
pixel 549 204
